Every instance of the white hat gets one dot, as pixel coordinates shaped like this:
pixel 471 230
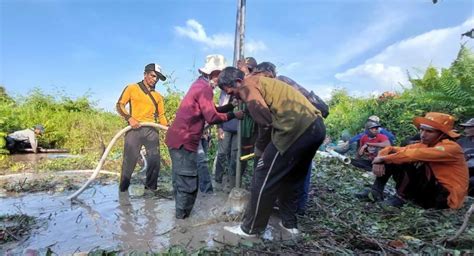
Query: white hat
pixel 374 118
pixel 155 67
pixel 213 62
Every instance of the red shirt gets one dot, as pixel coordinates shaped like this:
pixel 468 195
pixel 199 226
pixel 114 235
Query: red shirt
pixel 372 151
pixel 196 108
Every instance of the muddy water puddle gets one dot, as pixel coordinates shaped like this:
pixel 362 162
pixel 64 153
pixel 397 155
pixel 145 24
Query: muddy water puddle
pixel 107 219
pixel 39 156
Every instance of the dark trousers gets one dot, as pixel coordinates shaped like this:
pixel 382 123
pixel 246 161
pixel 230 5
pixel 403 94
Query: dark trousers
pixel 15 146
pixel 134 140
pixel 226 156
pixel 362 164
pixel 471 182
pixel 415 182
pixel 280 176
pixel 205 184
pixel 185 180
pixel 304 192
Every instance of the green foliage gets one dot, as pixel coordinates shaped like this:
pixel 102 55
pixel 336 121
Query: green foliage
pixel 74 124
pixel 4 96
pixel 82 162
pixel 347 112
pixel 448 90
pixel 355 227
pixel 463 67
pixel 70 123
pixel 173 99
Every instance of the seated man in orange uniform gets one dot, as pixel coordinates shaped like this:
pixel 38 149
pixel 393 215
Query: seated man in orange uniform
pixel 431 173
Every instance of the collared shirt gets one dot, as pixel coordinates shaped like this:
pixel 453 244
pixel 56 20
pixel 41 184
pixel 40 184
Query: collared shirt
pixel 446 160
pixel 27 135
pixel 141 107
pixel 273 103
pixel 196 108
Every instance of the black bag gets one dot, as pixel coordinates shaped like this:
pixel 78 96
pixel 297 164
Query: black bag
pixel 319 104
pixel 315 100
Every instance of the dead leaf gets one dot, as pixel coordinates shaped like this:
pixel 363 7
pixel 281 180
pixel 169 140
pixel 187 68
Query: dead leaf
pixel 397 244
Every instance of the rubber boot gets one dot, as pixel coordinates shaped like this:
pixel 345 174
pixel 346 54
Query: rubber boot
pixel 379 184
pixel 375 193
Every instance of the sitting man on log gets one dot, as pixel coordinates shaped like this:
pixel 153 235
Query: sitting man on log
pixel 431 173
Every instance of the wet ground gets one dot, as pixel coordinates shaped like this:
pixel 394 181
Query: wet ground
pixel 107 219
pixel 33 158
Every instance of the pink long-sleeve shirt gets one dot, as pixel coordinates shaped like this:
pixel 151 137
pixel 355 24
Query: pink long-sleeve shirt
pixel 196 108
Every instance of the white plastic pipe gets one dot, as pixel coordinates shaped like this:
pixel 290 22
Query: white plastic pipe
pixel 106 152
pixel 342 158
pixel 334 154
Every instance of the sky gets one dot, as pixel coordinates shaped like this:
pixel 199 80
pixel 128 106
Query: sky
pixel 97 47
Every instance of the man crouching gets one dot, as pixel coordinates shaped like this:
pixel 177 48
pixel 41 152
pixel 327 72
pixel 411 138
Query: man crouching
pixel 431 173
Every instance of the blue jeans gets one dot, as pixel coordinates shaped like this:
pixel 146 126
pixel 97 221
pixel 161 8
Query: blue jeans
pixel 205 184
pixel 226 157
pixel 303 197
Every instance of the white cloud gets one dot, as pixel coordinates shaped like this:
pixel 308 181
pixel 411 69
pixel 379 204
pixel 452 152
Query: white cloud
pixel 195 31
pixel 323 91
pixel 374 34
pixel 375 75
pixel 388 68
pixel 252 47
pixel 437 47
pixel 289 68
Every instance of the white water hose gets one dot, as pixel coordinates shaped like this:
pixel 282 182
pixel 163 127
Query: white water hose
pixel 106 152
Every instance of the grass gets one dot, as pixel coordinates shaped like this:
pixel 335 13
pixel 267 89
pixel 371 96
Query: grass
pixel 15 227
pixel 337 223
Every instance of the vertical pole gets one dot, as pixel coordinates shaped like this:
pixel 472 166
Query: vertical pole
pixel 239 54
pixel 237 34
pixel 242 28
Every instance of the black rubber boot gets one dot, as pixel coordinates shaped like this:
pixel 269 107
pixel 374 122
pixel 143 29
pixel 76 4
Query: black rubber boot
pixel 370 194
pixel 394 201
pixel 375 193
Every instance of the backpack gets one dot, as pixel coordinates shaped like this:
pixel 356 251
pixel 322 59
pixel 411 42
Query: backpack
pixel 315 100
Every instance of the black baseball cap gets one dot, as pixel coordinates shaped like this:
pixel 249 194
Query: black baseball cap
pixel 155 67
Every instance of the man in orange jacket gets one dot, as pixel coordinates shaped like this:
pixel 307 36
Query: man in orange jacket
pixel 431 173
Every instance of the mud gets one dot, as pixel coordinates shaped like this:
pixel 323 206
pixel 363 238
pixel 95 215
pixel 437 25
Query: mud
pixel 33 158
pixel 107 219
pixel 48 181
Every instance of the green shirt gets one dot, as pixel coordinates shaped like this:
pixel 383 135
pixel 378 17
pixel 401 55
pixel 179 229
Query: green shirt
pixel 274 103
